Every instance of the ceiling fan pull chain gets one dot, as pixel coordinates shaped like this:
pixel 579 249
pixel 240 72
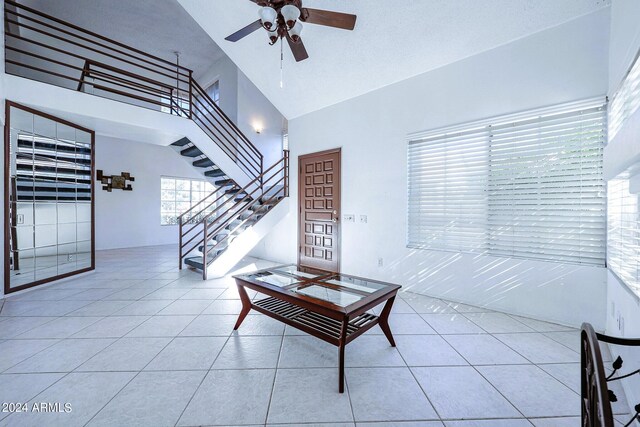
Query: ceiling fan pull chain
pixel 281 61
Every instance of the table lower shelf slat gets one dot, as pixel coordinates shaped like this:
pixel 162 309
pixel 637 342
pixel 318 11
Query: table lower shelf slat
pixel 307 319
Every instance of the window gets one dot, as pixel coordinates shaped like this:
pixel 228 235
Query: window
pixel 214 92
pixel 626 100
pixel 525 186
pixel 178 195
pixel 623 237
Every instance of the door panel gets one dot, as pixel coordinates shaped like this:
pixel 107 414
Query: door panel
pixel 319 210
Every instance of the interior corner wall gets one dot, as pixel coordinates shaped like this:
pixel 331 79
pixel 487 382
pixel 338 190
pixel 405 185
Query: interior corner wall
pixel 561 64
pixel 255 110
pixel 623 307
pixel 226 72
pixel 132 218
pixel 243 102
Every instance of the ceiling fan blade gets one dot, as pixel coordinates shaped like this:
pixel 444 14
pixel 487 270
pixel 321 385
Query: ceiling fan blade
pixel 298 49
pixel 244 32
pixel 331 19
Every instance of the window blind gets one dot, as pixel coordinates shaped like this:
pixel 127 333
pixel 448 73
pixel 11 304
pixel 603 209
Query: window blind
pixel 626 100
pixel 623 237
pixel 526 186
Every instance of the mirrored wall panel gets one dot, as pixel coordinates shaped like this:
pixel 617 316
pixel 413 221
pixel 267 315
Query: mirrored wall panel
pixel 49 174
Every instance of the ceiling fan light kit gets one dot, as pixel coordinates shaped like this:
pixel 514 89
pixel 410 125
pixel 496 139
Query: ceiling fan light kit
pixel 282 20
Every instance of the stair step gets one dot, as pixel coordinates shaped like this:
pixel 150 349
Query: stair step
pixel 191 152
pixel 181 142
pixel 225 182
pixel 203 163
pixel 234 190
pixel 214 173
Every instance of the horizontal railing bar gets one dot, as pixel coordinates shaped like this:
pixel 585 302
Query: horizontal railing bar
pixel 110 79
pixel 275 196
pixel 107 78
pixel 238 203
pixel 91 33
pixel 211 113
pixel 73 55
pixel 9 61
pixel 244 189
pixel 230 154
pixel 248 195
pixel 169 76
pixel 202 210
pixel 219 110
pixel 44 58
pixel 98 64
pixel 127 94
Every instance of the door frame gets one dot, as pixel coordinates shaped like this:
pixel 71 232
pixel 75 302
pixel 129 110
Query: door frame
pixel 337 150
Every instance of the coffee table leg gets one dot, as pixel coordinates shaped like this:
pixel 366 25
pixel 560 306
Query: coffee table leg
pixel 341 347
pixel 383 321
pixel 246 306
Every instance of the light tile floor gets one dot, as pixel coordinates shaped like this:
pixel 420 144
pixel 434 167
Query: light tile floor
pixel 139 342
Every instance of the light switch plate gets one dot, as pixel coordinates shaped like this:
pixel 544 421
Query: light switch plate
pixel 349 218
pixel 363 219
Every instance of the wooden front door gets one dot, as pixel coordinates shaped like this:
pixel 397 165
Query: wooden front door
pixel 319 210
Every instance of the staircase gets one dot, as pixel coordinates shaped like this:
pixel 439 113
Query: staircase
pixel 215 232
pixel 213 226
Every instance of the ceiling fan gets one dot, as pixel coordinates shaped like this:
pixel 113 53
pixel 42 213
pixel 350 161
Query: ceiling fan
pixel 281 19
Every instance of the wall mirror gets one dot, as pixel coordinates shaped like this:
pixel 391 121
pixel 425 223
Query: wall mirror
pixel 49 198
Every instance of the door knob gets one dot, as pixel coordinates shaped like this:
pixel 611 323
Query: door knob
pixel 335 219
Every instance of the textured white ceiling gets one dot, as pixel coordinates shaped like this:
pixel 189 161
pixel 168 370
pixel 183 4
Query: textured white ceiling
pixel 392 41
pixel 159 27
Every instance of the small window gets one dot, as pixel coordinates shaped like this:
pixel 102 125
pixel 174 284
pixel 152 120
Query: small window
pixel 178 195
pixel 214 92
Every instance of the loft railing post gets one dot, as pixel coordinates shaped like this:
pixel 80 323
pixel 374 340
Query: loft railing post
pixel 204 252
pixel 286 173
pixel 180 242
pixel 190 95
pixel 262 174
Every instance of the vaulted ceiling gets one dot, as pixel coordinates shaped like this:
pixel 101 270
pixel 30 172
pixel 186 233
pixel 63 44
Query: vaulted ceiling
pixel 159 27
pixel 392 41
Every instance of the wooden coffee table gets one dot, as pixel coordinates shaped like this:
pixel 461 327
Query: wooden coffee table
pixel 329 306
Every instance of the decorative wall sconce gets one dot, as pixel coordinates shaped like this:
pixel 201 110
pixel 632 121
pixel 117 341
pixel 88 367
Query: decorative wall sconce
pixel 115 181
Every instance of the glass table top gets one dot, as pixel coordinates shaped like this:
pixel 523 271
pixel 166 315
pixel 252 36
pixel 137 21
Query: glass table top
pixel 335 288
pixel 337 297
pixel 355 283
pixel 298 271
pixel 273 278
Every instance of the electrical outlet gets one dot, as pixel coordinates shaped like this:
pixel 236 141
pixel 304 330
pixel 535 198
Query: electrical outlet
pixel 380 262
pixel 363 219
pixel 20 218
pixel 349 218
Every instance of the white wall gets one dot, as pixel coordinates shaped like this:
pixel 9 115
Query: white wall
pixel 623 307
pixel 132 218
pixel 243 102
pixel 254 109
pixel 226 72
pixel 561 64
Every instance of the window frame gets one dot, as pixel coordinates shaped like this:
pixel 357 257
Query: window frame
pixel 577 251
pixel 208 189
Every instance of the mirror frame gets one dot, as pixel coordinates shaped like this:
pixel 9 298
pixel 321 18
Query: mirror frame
pixel 7 179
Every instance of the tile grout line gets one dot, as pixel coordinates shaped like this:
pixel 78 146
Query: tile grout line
pixel 275 376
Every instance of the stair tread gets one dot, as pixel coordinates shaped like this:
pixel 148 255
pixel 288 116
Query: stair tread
pixel 203 163
pixel 191 152
pixel 181 142
pixel 214 173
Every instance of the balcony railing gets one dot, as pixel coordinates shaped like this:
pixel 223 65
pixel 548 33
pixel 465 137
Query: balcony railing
pixel 47 49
